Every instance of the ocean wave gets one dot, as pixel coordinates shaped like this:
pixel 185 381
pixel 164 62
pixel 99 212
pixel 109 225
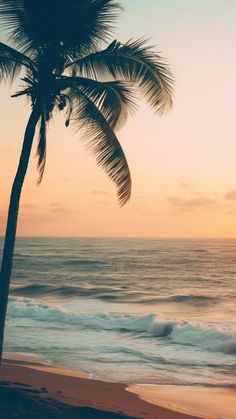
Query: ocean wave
pixel 207 337
pixel 35 290
pixel 89 262
pixel 106 293
pixel 191 298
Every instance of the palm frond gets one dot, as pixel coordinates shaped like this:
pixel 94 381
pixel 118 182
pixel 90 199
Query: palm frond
pixel 114 99
pixel 15 20
pixel 11 62
pixel 41 149
pixel 72 25
pixel 102 141
pixel 136 62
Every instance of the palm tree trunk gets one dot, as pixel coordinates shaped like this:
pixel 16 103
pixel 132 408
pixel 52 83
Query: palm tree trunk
pixel 9 243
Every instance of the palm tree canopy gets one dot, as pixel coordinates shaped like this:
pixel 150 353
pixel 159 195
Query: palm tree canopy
pixel 57 48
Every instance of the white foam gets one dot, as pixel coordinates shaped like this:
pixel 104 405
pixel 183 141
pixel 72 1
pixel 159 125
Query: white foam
pixel 208 337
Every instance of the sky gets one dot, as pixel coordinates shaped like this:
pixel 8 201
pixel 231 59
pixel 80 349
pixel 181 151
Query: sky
pixel 183 164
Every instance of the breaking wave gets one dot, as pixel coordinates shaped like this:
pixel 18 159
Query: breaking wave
pixel 207 337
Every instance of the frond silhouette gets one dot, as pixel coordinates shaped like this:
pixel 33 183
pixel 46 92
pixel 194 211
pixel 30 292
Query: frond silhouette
pixel 57 59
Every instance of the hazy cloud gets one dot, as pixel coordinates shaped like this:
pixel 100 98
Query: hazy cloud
pixel 58 210
pixel 27 206
pixel 99 192
pixel 186 185
pixel 231 195
pixel 57 207
pixel 190 204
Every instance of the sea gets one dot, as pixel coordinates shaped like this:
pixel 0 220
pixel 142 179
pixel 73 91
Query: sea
pixel 133 310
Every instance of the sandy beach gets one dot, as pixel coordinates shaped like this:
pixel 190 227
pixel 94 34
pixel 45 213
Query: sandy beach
pixel 74 394
pixel 207 402
pixel 36 382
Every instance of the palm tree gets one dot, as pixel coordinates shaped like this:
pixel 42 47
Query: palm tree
pixel 56 47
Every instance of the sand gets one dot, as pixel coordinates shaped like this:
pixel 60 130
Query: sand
pixel 35 386
pixel 207 402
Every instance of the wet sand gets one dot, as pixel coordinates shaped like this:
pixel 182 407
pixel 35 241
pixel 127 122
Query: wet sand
pixel 58 390
pixel 207 402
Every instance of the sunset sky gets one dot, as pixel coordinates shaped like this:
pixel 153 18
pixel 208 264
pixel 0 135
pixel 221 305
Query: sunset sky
pixel 183 165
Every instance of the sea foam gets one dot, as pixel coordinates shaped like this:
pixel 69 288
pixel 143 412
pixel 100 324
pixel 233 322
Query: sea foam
pixel 206 336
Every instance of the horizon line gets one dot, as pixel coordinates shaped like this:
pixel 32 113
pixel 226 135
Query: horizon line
pixel 126 237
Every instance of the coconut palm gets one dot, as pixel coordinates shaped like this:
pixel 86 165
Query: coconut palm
pixel 56 49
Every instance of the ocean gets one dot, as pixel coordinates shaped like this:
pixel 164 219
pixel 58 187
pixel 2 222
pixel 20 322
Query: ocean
pixel 143 310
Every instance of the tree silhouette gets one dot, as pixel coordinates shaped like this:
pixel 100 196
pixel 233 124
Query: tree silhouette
pixel 56 49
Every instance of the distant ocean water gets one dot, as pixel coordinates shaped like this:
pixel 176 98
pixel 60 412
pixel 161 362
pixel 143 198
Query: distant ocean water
pixel 131 310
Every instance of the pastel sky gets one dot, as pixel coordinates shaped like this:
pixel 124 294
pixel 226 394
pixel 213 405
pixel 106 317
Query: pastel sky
pixel 183 165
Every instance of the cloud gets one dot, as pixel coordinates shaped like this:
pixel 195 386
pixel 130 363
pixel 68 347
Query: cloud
pixel 231 195
pixel 57 207
pixel 186 185
pixel 99 192
pixel 28 210
pixel 58 210
pixel 190 204
pixel 27 207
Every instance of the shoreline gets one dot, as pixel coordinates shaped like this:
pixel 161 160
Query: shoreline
pixel 81 391
pixel 77 389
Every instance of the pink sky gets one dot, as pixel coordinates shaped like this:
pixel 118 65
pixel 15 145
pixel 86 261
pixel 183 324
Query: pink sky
pixel 183 165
